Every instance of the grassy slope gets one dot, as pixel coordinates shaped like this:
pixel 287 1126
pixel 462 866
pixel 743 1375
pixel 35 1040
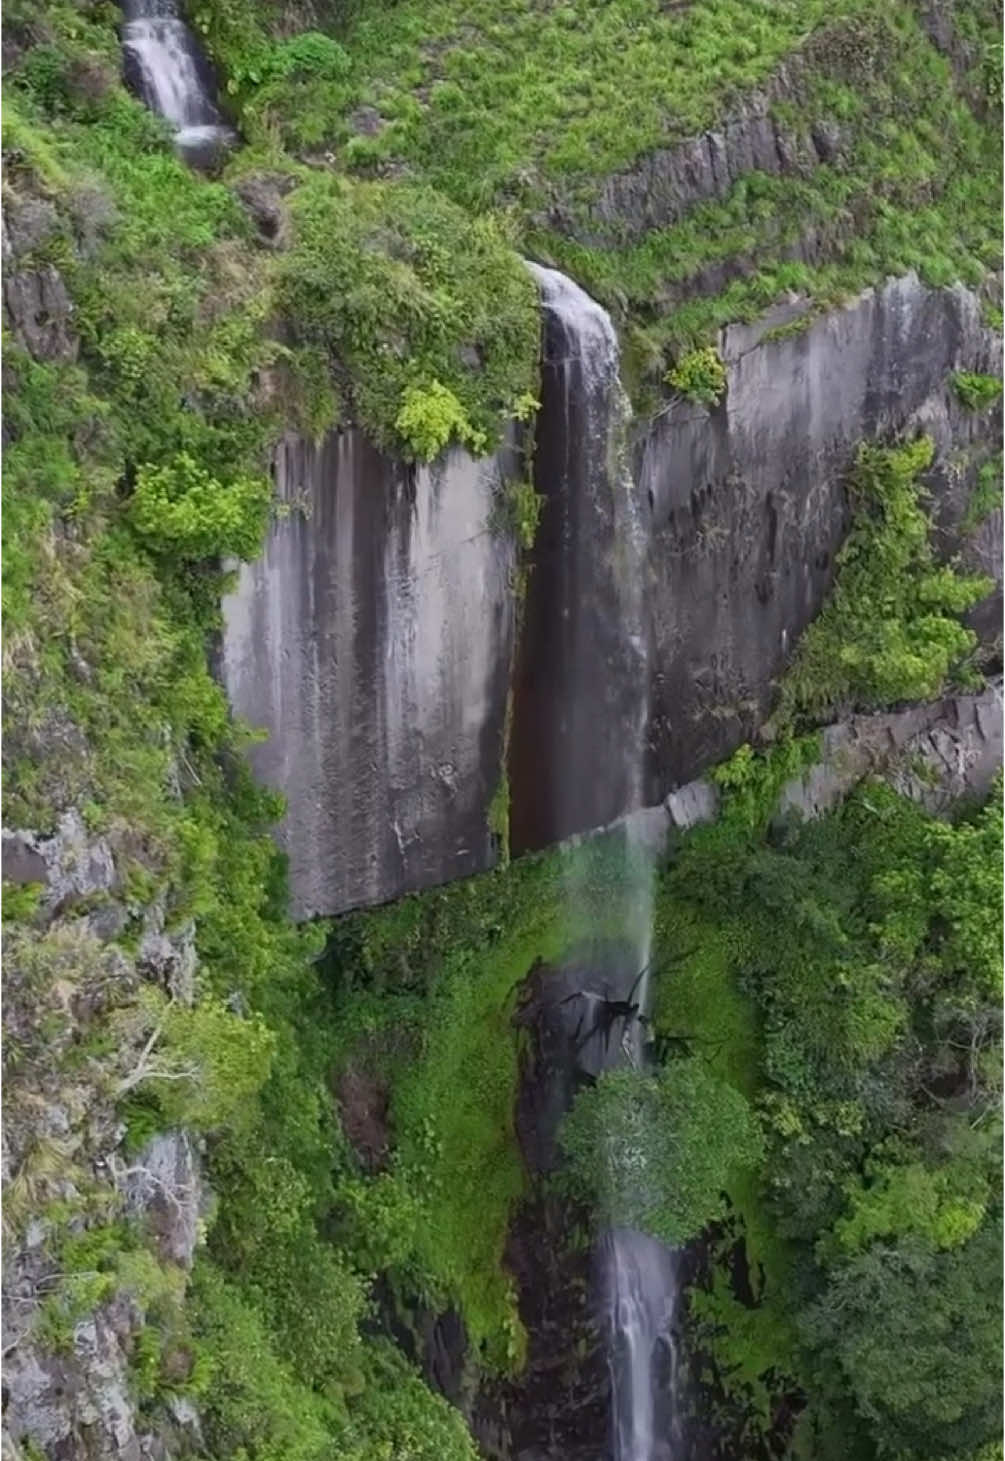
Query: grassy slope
pixel 524 113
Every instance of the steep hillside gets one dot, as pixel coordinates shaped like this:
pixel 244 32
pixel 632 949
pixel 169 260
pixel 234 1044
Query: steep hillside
pixel 268 1194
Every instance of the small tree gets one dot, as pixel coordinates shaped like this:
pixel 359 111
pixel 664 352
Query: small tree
pixel 655 1151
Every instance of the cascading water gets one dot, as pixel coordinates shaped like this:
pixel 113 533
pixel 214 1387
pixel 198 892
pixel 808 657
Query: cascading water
pixel 638 1276
pixel 165 67
pixel 586 616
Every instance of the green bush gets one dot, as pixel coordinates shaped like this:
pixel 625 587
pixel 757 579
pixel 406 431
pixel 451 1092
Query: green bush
pixel 976 392
pixel 181 509
pixel 657 1152
pixel 890 630
pixel 398 286
pixel 430 418
pixel 700 376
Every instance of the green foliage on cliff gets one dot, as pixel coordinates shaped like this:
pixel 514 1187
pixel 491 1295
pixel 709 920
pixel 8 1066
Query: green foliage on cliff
pixel 428 991
pixel 844 974
pixel 418 154
pixel 427 313
pixel 700 376
pixel 977 392
pixel 910 179
pixel 890 630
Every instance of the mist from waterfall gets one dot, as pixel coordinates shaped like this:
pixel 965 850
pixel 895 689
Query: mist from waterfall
pixel 638 1282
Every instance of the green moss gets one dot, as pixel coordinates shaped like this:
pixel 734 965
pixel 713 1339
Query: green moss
pixel 498 818
pixel 433 981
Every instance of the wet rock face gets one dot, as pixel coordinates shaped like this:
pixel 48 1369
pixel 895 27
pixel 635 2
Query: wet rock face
pixel 748 504
pixel 560 1405
pixel 372 641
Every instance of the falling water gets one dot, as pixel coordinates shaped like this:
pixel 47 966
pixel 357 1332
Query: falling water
pixel 164 66
pixel 602 688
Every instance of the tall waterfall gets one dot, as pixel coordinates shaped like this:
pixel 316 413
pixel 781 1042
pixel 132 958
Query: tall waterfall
pixel 580 701
pixel 165 67
pixel 581 725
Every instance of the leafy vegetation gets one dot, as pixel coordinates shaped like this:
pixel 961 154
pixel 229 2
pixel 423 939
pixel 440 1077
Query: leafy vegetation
pixel 986 496
pixel 820 968
pixel 656 1151
pixel 837 982
pixel 977 392
pixel 890 630
pixel 700 376
pixel 399 287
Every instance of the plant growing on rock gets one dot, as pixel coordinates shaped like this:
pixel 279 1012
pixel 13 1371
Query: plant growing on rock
pixel 891 628
pixel 976 391
pixel 430 418
pixel 700 376
pixel 182 509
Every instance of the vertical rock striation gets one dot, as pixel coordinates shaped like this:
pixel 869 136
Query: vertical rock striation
pixel 748 504
pixel 372 641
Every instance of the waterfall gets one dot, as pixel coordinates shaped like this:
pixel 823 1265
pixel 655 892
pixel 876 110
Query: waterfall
pixel 586 620
pixel 163 64
pixel 580 694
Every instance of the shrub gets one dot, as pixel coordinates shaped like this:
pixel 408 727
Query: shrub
pixel 430 418
pixel 181 509
pixel 700 376
pixel 890 630
pixel 402 291
pixel 976 392
pixel 656 1152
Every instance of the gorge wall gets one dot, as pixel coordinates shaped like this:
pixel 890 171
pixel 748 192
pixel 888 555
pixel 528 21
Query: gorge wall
pixel 747 501
pixel 374 640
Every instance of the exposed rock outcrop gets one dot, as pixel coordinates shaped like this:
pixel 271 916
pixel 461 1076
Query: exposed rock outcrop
pixel 70 865
pixel 748 504
pixel 164 1185
pixel 372 641
pixel 663 185
pixel 938 753
pixel 75 1029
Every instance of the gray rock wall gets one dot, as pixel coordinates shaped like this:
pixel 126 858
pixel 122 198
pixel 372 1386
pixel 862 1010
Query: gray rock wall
pixel 748 507
pixel 372 641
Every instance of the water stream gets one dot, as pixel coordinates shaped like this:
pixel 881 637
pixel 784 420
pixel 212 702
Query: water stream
pixel 598 737
pixel 164 65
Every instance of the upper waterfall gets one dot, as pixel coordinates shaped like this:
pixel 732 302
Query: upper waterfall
pixel 165 67
pixel 581 693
